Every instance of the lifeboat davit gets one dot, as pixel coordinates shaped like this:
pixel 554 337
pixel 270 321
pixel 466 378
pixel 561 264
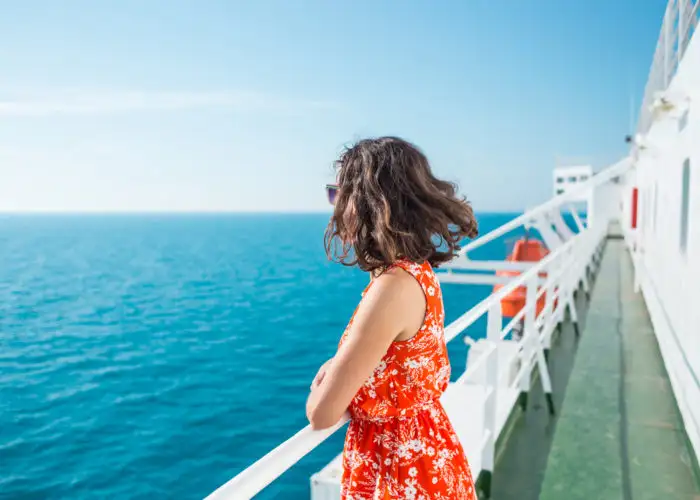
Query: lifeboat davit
pixel 526 249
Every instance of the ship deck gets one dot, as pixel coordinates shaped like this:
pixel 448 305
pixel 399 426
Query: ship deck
pixel 618 433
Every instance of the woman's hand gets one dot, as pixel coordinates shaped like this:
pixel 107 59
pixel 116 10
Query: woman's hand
pixel 321 374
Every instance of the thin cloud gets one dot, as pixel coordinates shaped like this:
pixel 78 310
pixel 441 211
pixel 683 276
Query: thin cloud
pixel 102 103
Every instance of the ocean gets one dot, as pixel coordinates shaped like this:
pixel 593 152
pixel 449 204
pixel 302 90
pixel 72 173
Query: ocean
pixel 156 356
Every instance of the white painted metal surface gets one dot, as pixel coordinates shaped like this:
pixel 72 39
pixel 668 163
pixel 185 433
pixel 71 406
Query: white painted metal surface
pixel 666 252
pixel 479 401
pixel 677 32
pixel 596 182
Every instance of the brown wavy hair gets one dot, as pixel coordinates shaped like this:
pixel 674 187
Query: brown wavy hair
pixel 390 206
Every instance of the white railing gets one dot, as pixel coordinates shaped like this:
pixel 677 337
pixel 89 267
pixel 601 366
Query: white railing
pixel 677 28
pixel 556 202
pixel 555 277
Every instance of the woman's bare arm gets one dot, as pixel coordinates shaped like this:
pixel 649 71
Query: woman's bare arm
pixel 389 308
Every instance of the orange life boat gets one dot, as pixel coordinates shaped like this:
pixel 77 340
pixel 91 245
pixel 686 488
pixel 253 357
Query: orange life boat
pixel 525 250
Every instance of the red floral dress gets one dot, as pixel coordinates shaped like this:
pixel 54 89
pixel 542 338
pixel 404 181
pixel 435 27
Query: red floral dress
pixel 400 443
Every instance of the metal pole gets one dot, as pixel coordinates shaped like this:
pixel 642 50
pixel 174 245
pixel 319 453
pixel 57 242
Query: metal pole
pixel 493 336
pixel 529 334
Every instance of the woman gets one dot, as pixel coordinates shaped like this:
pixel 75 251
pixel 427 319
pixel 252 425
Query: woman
pixel 398 222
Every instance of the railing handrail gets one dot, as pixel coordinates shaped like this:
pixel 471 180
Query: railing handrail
pixel 272 465
pixel 276 462
pixel 469 317
pixel 601 177
pixel 679 17
pixel 256 477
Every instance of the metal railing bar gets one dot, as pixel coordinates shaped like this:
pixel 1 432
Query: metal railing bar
pixel 256 477
pixel 600 178
pixel 473 279
pixel 511 324
pixel 680 18
pixel 485 439
pixel 490 265
pixel 525 367
pixel 259 475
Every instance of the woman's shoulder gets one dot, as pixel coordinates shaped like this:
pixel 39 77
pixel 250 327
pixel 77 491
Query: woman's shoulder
pixel 398 276
pixel 407 277
pixel 420 271
pixel 402 281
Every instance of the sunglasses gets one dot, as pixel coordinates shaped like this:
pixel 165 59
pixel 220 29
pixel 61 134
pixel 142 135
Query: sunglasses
pixel 332 192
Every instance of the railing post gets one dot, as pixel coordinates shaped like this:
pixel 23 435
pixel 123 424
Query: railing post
pixel 560 310
pixel 544 375
pixel 597 244
pixel 593 251
pixel 570 282
pixel 586 266
pixel 637 261
pixel 598 251
pixel 548 312
pixel 528 337
pixel 493 335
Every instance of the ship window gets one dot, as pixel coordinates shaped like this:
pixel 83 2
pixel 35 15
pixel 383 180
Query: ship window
pixel 572 179
pixel 584 177
pixel 560 180
pixel 560 191
pixel 683 122
pixel 685 205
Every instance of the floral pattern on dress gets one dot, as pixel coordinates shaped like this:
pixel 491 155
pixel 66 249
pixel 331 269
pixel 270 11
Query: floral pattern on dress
pixel 400 443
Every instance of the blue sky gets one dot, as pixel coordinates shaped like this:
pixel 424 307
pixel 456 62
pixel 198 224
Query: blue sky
pixel 243 106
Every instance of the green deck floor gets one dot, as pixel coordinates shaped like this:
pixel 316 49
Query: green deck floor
pixel 522 457
pixel 618 434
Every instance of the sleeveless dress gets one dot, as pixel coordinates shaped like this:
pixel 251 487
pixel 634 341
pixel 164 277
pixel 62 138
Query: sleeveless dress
pixel 400 443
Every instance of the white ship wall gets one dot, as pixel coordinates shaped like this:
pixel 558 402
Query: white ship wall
pixel 668 275
pixel 605 202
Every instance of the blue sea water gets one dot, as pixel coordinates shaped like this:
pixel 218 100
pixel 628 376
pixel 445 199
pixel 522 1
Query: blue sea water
pixel 155 356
